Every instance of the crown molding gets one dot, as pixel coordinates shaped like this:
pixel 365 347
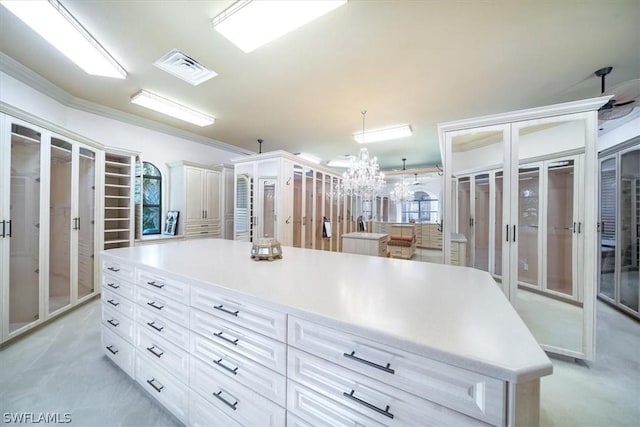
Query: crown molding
pixel 34 80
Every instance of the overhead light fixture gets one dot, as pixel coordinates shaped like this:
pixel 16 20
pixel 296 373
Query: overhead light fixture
pixel 250 24
pixel 385 134
pixel 57 26
pixel 344 162
pixel 309 157
pixel 363 177
pixel 171 108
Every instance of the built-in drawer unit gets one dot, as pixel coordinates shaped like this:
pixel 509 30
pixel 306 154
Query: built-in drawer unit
pixel 234 399
pixel 156 324
pixel 464 391
pixel 268 383
pixel 118 350
pixel 171 393
pixel 118 269
pixel 371 398
pixel 315 409
pixel 263 320
pixel 118 323
pixel 169 356
pixel 252 345
pixel 118 303
pixel 164 306
pixel 167 287
pixel 120 286
pixel 204 414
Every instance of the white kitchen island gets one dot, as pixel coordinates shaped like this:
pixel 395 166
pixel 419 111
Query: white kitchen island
pixel 317 338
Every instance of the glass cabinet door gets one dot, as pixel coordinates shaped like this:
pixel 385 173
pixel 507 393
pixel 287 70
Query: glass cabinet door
pixel 243 219
pixel 630 229
pixel 464 215
pixel 307 219
pixel 85 220
pixel 23 226
pixel 481 222
pixel 528 225
pixel 498 235
pixel 298 174
pixel 60 220
pixel 608 228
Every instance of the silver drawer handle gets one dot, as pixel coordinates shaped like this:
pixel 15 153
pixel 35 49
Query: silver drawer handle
pixel 113 322
pixel 384 412
pixel 153 351
pixel 114 269
pixel 153 304
pixel 153 325
pixel 219 335
pixel 113 285
pixel 111 349
pixel 352 356
pixel 155 284
pixel 218 362
pixel 225 401
pixel 221 308
pixel 151 383
pixel 113 303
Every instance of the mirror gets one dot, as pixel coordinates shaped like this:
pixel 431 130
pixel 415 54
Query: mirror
pixel 243 217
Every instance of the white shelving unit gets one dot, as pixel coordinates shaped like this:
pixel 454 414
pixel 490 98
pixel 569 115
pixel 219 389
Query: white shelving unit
pixel 119 214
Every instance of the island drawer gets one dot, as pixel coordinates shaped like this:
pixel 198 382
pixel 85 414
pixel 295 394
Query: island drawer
pixel 370 397
pixel 121 287
pixel 160 326
pixel 118 323
pixel 260 319
pixel 268 383
pixel 163 306
pixel 165 354
pixel 314 409
pixel 118 350
pixel 254 346
pixel 465 391
pixel 204 414
pixel 234 399
pixel 168 288
pixel 118 269
pixel 171 393
pixel 118 303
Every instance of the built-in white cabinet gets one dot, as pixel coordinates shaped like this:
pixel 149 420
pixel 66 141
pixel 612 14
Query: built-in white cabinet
pixel 297 202
pixel 519 188
pixel 50 224
pixel 196 192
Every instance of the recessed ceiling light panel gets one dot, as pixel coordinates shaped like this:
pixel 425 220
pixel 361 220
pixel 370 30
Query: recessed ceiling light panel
pixel 184 67
pixel 171 108
pixel 250 24
pixel 57 26
pixel 386 134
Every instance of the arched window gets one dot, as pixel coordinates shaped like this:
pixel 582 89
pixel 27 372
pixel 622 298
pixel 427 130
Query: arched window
pixel 151 199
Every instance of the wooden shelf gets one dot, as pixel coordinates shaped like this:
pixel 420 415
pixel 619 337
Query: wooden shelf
pixel 118 186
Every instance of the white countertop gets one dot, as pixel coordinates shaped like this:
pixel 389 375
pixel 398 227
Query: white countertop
pixel 454 314
pixel 364 236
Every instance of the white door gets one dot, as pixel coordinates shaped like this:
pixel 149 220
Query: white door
pixel 193 183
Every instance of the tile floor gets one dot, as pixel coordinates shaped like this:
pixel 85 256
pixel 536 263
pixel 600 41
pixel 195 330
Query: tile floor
pixel 61 368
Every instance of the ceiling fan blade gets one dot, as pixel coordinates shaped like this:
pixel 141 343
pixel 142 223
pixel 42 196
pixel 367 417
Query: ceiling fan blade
pixel 622 104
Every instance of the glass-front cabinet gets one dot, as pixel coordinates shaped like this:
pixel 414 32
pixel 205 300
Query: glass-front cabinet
pixel 518 184
pixel 619 225
pixel 48 194
pixel 279 195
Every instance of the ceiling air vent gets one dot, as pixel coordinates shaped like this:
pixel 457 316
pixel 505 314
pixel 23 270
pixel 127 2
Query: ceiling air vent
pixel 184 67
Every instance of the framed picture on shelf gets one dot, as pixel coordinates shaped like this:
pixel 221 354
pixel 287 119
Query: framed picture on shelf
pixel 171 223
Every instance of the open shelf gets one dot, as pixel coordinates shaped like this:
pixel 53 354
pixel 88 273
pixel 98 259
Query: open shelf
pixel 118 201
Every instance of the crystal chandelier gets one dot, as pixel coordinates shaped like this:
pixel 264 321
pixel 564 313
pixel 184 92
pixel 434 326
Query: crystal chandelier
pixel 363 177
pixel 401 190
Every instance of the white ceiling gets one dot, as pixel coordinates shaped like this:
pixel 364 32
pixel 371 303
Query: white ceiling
pixel 418 62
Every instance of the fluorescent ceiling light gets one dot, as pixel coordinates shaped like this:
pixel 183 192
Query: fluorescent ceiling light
pixel 249 24
pixel 340 163
pixel 309 157
pixel 53 22
pixel 386 134
pixel 170 108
